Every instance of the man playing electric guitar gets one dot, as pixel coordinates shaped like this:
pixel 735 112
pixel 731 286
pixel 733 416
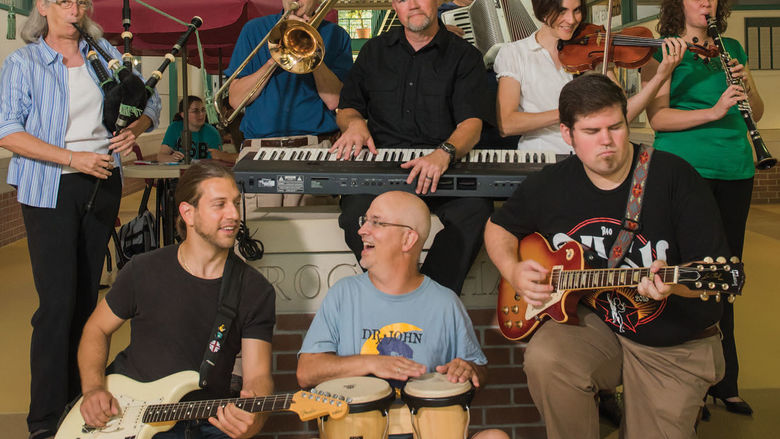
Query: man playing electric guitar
pixel 664 348
pixel 171 296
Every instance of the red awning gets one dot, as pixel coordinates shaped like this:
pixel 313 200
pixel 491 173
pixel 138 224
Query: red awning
pixel 154 34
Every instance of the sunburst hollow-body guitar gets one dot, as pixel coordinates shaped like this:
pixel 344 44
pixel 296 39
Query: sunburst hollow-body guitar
pixel 571 279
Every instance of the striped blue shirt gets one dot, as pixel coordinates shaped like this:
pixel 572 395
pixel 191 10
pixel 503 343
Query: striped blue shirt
pixel 34 98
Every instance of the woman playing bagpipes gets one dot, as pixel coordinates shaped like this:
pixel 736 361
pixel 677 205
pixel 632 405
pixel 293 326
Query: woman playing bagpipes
pixel 51 119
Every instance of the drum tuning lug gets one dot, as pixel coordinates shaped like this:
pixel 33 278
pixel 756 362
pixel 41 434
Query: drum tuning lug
pixel 717 297
pixel 708 260
pixel 704 297
pixel 734 260
pixel 731 298
pixel 720 260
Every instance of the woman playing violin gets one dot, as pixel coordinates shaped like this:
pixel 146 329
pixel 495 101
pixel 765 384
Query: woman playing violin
pixel 695 116
pixel 531 77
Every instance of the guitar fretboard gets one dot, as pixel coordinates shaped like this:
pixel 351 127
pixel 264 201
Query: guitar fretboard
pixel 605 278
pixel 181 411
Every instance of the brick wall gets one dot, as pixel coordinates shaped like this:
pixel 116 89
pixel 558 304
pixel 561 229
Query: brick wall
pixel 766 186
pixel 11 224
pixel 504 403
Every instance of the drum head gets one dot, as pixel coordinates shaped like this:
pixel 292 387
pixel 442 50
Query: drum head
pixel 365 393
pixel 435 385
pixel 434 390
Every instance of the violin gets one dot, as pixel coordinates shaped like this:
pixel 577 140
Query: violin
pixel 631 48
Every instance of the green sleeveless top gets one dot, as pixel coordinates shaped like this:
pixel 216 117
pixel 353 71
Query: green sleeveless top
pixel 720 149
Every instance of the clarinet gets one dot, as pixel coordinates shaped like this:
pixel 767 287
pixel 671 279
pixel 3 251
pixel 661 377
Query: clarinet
pixel 764 159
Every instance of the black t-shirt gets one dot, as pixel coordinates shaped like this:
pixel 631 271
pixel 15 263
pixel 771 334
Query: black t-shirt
pixel 416 98
pixel 171 315
pixel 680 223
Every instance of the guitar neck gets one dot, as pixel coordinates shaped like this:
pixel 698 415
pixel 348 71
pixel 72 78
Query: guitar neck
pixel 182 411
pixel 591 279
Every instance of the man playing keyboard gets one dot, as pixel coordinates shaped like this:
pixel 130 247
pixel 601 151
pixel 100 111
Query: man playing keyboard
pixel 419 86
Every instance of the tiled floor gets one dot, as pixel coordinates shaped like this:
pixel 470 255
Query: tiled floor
pixel 757 331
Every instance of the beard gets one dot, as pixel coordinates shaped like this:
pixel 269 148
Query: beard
pixel 420 27
pixel 213 238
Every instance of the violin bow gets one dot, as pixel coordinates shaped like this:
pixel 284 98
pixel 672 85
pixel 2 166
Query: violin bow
pixel 605 65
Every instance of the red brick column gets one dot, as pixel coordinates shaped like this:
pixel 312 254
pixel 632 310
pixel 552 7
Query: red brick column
pixel 766 186
pixel 504 403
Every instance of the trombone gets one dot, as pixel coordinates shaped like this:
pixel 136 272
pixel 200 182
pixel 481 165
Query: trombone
pixel 295 46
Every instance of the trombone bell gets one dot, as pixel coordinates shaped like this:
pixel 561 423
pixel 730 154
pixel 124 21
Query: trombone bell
pixel 296 46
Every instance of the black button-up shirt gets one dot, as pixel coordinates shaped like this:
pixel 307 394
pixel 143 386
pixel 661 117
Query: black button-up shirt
pixel 416 98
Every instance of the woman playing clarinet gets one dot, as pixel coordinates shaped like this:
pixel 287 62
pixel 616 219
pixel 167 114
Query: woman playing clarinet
pixel 51 109
pixel 695 116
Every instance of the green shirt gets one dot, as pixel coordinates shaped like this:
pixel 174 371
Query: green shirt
pixel 718 149
pixel 202 140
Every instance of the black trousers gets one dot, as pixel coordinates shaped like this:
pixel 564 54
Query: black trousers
pixel 454 248
pixel 733 198
pixel 67 248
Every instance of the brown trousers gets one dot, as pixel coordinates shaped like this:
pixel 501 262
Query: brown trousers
pixel 567 365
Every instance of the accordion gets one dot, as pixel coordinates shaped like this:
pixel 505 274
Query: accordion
pixel 490 23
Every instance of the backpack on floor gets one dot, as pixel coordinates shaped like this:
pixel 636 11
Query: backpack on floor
pixel 139 235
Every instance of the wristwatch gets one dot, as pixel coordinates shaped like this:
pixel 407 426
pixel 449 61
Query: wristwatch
pixel 449 148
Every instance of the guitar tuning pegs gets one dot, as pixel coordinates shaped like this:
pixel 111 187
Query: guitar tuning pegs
pixel 731 298
pixel 508 324
pixel 704 297
pixel 698 284
pixel 720 260
pixel 717 297
pixel 727 267
pixel 708 260
pixel 734 260
pixel 724 287
pixel 711 285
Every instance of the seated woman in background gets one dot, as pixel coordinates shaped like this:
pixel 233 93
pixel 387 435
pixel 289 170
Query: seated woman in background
pixel 206 140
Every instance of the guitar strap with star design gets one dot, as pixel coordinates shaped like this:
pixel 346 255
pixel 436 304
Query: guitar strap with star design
pixel 631 224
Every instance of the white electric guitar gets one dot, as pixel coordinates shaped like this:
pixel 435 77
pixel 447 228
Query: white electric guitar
pixel 149 408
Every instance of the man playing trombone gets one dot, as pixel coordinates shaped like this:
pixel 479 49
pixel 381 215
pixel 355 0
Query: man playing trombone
pixel 289 109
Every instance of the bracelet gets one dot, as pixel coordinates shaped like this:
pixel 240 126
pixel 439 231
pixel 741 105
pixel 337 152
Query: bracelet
pixel 70 160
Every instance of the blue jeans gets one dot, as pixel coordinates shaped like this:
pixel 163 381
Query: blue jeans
pixel 202 430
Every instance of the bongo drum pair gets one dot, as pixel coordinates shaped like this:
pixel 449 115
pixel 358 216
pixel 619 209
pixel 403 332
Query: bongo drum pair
pixel 438 408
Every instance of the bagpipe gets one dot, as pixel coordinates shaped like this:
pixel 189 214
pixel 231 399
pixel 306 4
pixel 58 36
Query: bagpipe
pixel 125 95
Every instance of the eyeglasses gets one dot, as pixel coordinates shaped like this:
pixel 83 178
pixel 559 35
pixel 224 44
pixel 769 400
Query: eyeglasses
pixel 198 110
pixel 67 4
pixel 374 223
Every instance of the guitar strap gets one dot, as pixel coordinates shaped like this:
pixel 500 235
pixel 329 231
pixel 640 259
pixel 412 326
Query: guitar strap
pixel 631 224
pixel 227 310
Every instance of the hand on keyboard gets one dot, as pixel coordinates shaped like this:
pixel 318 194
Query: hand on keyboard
pixel 427 169
pixel 352 140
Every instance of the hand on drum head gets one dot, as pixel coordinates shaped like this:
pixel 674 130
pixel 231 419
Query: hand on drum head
pixel 460 371
pixel 394 368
